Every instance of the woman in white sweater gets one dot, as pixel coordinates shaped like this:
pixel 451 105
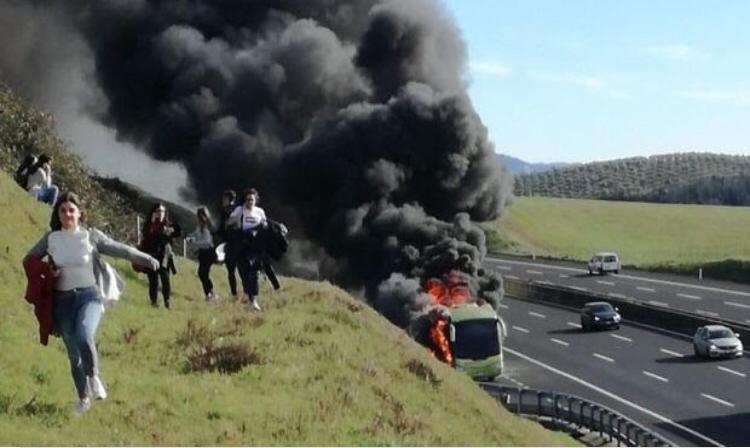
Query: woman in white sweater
pixel 202 239
pixel 77 301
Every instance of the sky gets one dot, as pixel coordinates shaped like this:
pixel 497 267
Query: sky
pixel 586 80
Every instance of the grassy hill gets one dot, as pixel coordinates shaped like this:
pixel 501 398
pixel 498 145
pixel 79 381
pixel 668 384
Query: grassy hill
pixel 317 367
pixel 663 236
pixel 697 178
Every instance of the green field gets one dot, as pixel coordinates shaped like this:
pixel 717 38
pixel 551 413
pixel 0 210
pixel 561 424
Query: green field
pixel 670 236
pixel 317 367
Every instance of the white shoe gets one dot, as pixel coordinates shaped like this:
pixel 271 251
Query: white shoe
pixel 82 406
pixel 97 388
pixel 255 305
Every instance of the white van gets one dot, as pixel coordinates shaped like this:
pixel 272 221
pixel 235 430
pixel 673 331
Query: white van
pixel 603 262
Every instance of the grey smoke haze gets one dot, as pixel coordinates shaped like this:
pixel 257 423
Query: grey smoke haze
pixel 351 117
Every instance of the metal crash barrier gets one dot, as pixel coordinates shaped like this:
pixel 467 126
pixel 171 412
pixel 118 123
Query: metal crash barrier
pixel 566 409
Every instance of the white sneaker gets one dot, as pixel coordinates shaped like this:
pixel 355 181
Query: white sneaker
pixel 97 388
pixel 256 305
pixel 82 406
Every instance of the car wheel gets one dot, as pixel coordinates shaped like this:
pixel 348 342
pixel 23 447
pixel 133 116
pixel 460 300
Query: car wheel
pixel 617 327
pixel 617 271
pixel 601 271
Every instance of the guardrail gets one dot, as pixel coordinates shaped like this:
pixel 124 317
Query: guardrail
pixel 671 319
pixel 567 409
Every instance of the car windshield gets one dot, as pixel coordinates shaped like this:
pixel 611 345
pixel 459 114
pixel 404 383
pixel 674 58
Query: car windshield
pixel 601 308
pixel 609 259
pixel 476 339
pixel 720 334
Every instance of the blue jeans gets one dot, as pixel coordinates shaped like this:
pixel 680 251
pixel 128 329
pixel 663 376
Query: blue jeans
pixel 48 195
pixel 77 316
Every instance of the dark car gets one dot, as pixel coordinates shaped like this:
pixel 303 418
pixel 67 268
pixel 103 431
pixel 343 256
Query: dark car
pixel 599 315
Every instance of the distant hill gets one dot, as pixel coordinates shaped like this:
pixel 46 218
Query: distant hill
pixel 517 166
pixel 687 178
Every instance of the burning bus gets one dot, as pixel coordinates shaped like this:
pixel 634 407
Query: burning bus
pixel 464 333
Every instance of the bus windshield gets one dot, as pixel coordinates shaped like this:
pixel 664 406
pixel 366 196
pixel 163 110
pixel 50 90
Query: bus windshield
pixel 476 339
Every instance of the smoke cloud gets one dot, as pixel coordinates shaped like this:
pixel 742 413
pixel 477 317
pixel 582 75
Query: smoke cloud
pixel 350 116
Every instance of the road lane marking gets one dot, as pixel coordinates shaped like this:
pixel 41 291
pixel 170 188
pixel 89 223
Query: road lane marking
pixel 643 288
pixel 655 376
pixel 579 288
pixel 631 277
pixel 718 400
pixel 670 352
pixel 603 282
pixel 688 296
pixel 541 316
pixel 564 276
pixel 574 325
pixel 707 313
pixel 605 358
pixel 611 395
pixel 617 295
pixel 662 304
pixel 622 338
pixel 731 371
pixel 542 282
pixel 739 305
pixel 512 277
pixel 558 341
pixel 529 271
pixel 522 330
pixel 505 268
pixel 505 307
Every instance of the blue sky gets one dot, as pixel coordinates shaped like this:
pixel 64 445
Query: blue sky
pixel 584 80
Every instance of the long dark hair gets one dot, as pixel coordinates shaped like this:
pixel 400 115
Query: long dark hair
pixel 44 158
pixel 204 218
pixel 147 221
pixel 68 196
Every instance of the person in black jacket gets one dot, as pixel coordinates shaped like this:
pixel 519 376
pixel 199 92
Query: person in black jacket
pixel 228 236
pixel 158 233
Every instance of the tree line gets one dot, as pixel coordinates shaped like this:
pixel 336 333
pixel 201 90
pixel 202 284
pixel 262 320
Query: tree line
pixel 686 178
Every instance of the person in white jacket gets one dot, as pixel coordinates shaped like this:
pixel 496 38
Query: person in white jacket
pixel 39 183
pixel 202 239
pixel 249 219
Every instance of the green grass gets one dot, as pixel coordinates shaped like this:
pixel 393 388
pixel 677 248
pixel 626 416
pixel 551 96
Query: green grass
pixel 321 368
pixel 675 237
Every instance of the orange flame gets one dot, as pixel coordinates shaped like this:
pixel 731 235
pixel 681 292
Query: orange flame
pixel 452 294
pixel 440 342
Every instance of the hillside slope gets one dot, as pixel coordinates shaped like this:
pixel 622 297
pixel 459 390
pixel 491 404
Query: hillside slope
pixel 317 367
pixel 692 178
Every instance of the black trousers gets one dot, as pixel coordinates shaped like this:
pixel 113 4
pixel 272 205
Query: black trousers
pixel 230 262
pixel 206 258
pixel 153 285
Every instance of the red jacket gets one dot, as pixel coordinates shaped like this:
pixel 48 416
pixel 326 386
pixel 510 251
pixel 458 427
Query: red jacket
pixel 39 289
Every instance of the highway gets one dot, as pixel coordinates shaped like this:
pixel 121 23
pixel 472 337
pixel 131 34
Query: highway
pixel 725 300
pixel 646 375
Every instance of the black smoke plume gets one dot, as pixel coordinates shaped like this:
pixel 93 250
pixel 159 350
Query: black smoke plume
pixel 350 116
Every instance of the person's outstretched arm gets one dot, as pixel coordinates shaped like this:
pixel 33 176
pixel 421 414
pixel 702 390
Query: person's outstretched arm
pixel 108 246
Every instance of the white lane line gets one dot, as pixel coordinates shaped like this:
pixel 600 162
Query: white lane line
pixel 529 271
pixel 559 341
pixel 505 268
pixel 738 305
pixel 505 307
pixel 655 376
pixel 707 313
pixel 622 338
pixel 603 282
pixel 512 277
pixel 521 329
pixel 574 325
pixel 671 353
pixel 718 400
pixel 731 371
pixel 688 296
pixel 631 277
pixel 615 397
pixel 541 316
pixel 542 282
pixel 564 276
pixel 617 295
pixel 643 288
pixel 605 358
pixel 657 303
pixel 579 288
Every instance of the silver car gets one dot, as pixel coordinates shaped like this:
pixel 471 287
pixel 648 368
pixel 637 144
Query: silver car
pixel 714 341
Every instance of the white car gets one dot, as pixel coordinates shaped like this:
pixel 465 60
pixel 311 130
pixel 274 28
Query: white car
pixel 713 341
pixel 603 262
